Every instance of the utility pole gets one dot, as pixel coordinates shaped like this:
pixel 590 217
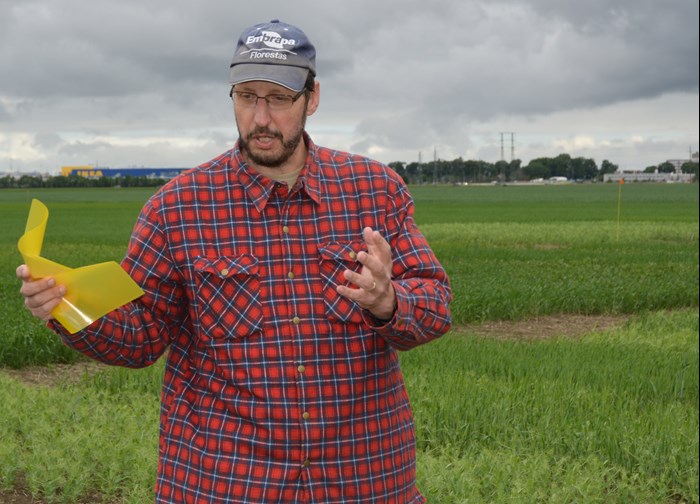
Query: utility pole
pixel 434 165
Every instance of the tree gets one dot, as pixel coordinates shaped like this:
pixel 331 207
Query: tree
pixel 583 169
pixel 502 169
pixel 667 167
pixel 537 168
pixel 398 167
pixel 516 171
pixel 690 167
pixel 606 167
pixel 561 166
pixel 413 172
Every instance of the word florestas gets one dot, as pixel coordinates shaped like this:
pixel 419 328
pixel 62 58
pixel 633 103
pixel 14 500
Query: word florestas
pixel 267 54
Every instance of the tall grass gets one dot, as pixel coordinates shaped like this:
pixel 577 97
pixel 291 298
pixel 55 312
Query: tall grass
pixel 615 407
pixel 516 270
pixel 73 444
pixel 609 418
pixel 511 252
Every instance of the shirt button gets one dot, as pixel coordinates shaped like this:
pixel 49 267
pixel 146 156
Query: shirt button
pixel 290 275
pixel 285 229
pixel 296 320
pixel 306 415
pixel 307 463
pixel 301 368
pixel 224 272
pixel 352 255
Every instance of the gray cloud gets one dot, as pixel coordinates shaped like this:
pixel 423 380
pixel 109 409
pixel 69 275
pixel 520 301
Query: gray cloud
pixel 396 77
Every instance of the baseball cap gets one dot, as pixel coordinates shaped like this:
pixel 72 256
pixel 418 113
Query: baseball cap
pixel 274 52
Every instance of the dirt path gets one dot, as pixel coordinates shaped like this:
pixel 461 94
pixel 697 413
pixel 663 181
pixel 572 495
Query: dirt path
pixel 572 326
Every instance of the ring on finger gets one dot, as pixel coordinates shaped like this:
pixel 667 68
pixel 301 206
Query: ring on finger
pixel 374 286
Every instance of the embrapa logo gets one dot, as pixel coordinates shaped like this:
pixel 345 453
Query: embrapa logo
pixel 270 39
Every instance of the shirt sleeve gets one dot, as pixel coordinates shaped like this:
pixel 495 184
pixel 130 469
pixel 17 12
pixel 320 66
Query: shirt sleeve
pixel 422 287
pixel 136 334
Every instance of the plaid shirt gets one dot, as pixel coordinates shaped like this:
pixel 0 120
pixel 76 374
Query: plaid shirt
pixel 277 389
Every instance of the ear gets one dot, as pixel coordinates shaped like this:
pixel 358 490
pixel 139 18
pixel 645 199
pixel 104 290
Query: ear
pixel 314 99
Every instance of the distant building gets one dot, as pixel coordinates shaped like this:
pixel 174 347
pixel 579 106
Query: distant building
pixel 88 171
pixel 648 177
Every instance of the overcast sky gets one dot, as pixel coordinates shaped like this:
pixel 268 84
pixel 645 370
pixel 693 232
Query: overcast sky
pixel 144 82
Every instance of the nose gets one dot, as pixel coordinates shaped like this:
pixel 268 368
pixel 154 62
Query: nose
pixel 262 112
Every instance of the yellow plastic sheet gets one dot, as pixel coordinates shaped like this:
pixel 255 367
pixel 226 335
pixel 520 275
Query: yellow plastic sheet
pixel 91 291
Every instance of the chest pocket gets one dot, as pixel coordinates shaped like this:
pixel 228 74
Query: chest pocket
pixel 228 296
pixel 334 259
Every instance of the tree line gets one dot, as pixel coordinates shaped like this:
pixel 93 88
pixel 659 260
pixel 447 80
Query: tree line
pixel 457 171
pixel 34 181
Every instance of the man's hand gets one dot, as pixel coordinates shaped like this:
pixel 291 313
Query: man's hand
pixel 374 291
pixel 40 296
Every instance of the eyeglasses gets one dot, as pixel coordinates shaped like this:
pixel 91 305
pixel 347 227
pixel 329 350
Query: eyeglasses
pixel 247 99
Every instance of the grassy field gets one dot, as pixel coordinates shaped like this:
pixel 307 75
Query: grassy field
pixel 610 416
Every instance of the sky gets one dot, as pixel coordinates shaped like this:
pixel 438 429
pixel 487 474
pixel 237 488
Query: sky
pixel 145 82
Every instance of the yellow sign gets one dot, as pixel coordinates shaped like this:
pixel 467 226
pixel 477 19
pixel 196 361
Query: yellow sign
pixel 73 170
pixel 91 291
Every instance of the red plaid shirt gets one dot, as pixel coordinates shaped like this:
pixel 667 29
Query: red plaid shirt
pixel 277 389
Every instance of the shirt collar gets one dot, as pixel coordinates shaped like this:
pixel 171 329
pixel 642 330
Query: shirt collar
pixel 260 188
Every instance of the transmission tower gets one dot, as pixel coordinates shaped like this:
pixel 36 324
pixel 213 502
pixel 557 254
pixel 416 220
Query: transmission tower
pixel 512 145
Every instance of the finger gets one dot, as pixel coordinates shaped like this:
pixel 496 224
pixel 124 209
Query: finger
pixel 364 282
pixel 46 296
pixel 33 287
pixel 364 297
pixel 44 311
pixel 375 241
pixel 23 272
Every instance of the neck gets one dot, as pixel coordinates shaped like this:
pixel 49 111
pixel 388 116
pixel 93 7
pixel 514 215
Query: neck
pixel 287 177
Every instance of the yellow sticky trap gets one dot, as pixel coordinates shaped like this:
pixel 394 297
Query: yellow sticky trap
pixel 91 291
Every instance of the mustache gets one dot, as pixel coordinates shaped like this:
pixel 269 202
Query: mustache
pixel 262 130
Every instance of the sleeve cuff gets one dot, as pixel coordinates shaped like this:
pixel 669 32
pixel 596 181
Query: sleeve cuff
pixel 397 323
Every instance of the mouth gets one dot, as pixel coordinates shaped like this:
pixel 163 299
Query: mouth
pixel 264 140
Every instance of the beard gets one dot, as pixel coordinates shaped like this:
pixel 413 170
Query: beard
pixel 270 159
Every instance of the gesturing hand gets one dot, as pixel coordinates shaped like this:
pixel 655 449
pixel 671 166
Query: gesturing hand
pixel 374 290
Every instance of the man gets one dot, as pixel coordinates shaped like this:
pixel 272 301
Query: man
pixel 282 277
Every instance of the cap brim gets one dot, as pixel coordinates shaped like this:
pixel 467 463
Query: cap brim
pixel 291 77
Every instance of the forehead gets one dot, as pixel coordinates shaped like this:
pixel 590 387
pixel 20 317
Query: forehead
pixel 262 87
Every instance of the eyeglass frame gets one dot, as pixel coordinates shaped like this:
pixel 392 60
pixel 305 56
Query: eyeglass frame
pixel 267 98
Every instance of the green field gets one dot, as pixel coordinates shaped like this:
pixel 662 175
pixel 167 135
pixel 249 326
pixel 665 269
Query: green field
pixel 609 416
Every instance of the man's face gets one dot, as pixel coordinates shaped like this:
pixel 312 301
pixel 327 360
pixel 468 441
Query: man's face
pixel 272 138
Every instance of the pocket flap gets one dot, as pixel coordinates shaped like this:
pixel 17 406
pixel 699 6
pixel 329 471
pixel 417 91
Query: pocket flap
pixel 225 267
pixel 342 251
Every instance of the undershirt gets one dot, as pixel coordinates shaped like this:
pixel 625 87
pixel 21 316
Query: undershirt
pixel 289 178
